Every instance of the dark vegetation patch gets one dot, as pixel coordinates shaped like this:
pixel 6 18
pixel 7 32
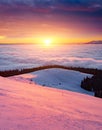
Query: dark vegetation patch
pixel 8 73
pixel 93 84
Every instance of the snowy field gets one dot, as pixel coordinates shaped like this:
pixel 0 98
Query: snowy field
pixel 57 78
pixel 25 106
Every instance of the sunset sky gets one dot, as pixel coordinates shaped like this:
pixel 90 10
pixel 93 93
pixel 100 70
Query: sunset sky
pixel 62 21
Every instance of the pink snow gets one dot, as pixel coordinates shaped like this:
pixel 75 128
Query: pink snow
pixel 25 106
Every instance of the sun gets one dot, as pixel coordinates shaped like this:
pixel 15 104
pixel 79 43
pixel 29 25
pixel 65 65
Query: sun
pixel 47 42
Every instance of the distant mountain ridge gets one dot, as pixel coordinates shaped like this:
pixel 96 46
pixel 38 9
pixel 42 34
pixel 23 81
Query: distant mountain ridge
pixel 94 42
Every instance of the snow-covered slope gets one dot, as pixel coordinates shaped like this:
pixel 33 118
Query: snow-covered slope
pixel 58 78
pixel 25 106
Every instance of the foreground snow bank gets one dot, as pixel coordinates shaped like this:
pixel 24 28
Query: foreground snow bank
pixel 57 78
pixel 25 106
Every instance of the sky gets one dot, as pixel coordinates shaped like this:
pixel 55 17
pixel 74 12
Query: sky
pixel 62 21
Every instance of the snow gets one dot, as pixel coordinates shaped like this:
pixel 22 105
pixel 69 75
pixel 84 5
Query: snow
pixel 25 106
pixel 57 78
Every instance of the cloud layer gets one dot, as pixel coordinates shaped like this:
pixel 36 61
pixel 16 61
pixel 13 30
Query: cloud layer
pixel 45 3
pixel 15 56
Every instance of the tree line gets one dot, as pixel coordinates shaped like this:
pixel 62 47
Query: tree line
pixel 7 73
pixel 93 84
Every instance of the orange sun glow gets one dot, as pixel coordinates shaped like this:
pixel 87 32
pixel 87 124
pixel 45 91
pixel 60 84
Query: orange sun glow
pixel 47 42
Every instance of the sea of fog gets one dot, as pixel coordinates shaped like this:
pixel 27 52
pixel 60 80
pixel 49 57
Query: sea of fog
pixel 20 56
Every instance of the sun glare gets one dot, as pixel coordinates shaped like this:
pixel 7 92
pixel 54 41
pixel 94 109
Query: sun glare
pixel 47 42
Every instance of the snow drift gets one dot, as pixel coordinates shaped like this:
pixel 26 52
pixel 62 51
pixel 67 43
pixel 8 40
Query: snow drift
pixel 25 106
